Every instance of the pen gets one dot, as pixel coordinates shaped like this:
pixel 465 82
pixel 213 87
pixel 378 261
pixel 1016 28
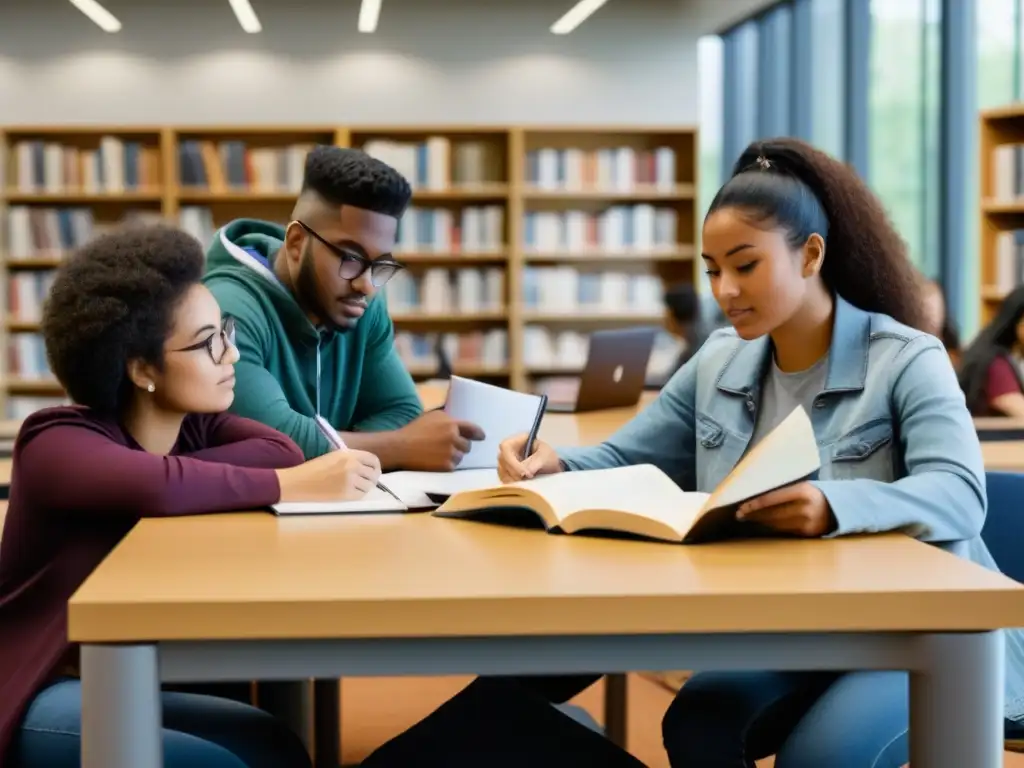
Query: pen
pixel 531 437
pixel 337 444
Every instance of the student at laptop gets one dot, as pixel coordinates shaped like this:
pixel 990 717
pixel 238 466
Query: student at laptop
pixel 314 337
pixel 142 348
pixel 825 308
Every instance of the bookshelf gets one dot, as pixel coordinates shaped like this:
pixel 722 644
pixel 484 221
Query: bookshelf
pixel 1001 248
pixel 518 243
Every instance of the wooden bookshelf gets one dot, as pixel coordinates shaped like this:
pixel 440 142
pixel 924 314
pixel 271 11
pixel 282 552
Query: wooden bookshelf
pixel 1001 248
pixel 595 212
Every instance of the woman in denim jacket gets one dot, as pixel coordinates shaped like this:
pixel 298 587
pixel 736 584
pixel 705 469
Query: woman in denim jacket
pixel 824 305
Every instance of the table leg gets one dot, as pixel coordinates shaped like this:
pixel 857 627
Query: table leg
pixel 327 723
pixel 956 702
pixel 615 707
pixel 121 709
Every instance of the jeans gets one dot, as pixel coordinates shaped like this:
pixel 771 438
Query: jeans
pixel 805 719
pixel 199 732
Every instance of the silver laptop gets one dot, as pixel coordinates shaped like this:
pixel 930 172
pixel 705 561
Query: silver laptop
pixel 615 371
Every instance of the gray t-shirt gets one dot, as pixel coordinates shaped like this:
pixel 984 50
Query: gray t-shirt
pixel 782 392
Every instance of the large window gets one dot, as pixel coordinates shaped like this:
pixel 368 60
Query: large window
pixel 828 92
pixel 903 120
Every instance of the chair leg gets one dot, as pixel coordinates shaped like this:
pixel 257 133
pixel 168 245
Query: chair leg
pixel 615 704
pixel 327 723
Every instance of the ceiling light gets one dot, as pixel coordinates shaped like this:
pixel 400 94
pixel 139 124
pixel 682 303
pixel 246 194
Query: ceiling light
pixel 246 16
pixel 369 13
pixel 574 16
pixel 99 15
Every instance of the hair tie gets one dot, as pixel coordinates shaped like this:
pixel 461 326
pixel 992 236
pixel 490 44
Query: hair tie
pixel 763 163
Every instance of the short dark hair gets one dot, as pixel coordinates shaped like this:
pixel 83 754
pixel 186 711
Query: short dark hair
pixel 351 177
pixel 113 301
pixel 803 190
pixel 683 302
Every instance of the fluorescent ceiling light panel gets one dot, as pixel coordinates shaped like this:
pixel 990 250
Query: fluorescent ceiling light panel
pixel 99 15
pixel 246 16
pixel 369 14
pixel 575 16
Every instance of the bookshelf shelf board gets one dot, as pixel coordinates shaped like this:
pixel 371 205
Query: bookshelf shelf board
pixel 192 195
pixel 34 386
pixel 77 197
pixel 638 194
pixel 450 258
pixel 449 317
pixel 33 263
pixel 1003 207
pixel 464 370
pixel 683 253
pixel 618 318
pixel 469 192
pixel 23 326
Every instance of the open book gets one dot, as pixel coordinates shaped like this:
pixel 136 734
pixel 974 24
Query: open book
pixel 643 501
pixel 400 491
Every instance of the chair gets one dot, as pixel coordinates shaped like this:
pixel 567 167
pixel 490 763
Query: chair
pixel 1003 534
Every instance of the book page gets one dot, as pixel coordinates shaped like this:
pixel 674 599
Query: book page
pixel 499 412
pixel 642 490
pixel 413 487
pixel 374 501
pixel 788 453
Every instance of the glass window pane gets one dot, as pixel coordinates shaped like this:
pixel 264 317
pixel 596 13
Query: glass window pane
pixel 709 138
pixel 773 93
pixel 896 100
pixel 746 43
pixel 827 75
pixel 996 52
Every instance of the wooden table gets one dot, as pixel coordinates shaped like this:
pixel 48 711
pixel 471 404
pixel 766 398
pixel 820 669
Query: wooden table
pixel 1005 455
pixel 327 597
pixel 991 428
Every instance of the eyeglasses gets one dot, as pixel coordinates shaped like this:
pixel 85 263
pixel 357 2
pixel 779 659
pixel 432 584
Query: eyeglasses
pixel 217 344
pixel 353 264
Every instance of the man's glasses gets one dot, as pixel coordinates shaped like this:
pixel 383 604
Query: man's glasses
pixel 353 264
pixel 217 344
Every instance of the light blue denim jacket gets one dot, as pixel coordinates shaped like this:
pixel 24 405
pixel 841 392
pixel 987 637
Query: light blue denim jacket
pixel 898 447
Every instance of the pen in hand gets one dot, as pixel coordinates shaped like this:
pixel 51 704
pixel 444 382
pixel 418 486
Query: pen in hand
pixel 337 444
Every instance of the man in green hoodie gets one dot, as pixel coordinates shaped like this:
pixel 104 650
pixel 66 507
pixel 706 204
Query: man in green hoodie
pixel 314 337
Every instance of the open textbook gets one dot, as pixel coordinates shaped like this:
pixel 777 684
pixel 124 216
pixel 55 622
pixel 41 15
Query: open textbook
pixel 402 491
pixel 643 501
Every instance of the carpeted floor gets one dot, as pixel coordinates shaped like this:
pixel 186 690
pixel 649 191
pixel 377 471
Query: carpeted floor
pixel 374 709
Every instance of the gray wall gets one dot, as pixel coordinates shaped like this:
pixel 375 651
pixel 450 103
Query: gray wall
pixel 431 61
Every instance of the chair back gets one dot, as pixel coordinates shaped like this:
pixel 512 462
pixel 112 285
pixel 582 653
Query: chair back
pixel 1003 532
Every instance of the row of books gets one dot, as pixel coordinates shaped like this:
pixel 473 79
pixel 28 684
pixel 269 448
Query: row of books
pixel 26 357
pixel 615 169
pixel 1008 171
pixel 626 228
pixel 478 349
pixel 115 166
pixel 1009 260
pixel 442 292
pixel 35 232
pixel 219 166
pixel 439 163
pixel 26 292
pixel 566 290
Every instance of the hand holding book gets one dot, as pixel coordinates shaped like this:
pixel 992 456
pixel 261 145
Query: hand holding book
pixel 800 509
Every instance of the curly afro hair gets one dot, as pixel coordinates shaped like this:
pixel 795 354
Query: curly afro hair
pixel 352 177
pixel 792 185
pixel 112 302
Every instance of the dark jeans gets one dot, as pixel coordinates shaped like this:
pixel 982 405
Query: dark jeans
pixel 199 732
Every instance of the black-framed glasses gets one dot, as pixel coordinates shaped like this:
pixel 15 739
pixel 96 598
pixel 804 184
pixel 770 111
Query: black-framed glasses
pixel 217 344
pixel 353 264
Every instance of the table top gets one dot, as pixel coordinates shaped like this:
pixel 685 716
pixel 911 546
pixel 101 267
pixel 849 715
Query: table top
pixel 417 575
pixel 1006 456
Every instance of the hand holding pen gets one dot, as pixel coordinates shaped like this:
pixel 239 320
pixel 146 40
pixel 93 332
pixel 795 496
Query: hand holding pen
pixel 520 458
pixel 337 444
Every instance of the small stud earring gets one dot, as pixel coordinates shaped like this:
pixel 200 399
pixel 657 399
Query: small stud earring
pixel 151 387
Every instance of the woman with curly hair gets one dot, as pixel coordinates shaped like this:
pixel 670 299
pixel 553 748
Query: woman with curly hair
pixel 142 349
pixel 826 313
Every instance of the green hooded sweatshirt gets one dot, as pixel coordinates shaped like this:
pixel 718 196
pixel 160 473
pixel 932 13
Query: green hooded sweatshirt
pixel 289 370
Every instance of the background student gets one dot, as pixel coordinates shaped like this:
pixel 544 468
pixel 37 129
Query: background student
pixel 824 306
pixel 938 322
pixel 142 348
pixel 992 368
pixel 314 335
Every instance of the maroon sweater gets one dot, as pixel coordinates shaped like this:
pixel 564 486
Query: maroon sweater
pixel 79 485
